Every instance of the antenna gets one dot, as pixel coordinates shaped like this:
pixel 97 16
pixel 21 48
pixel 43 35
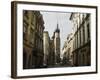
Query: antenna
pixel 57 21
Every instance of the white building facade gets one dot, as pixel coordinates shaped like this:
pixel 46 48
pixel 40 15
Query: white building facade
pixel 46 46
pixel 81 39
pixel 67 50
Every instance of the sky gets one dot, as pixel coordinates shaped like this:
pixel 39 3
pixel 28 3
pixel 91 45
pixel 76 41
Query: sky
pixel 51 19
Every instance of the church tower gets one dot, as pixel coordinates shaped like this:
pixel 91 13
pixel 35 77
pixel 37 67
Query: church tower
pixel 57 45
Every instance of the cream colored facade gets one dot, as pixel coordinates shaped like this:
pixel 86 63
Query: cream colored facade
pixel 81 39
pixel 56 39
pixel 67 50
pixel 46 45
pixel 32 39
pixel 27 39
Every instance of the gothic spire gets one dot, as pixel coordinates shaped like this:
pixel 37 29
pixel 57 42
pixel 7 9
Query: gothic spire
pixel 57 29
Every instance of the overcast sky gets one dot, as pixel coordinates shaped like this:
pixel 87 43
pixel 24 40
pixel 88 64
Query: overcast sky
pixel 50 22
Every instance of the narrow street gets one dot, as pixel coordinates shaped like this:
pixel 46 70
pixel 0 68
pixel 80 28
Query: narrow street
pixel 59 65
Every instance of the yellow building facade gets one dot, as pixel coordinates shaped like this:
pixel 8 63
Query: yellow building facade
pixel 32 39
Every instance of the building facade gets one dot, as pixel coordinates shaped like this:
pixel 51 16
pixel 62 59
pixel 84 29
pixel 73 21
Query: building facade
pixel 51 48
pixel 81 39
pixel 56 39
pixel 46 44
pixel 33 27
pixel 49 54
pixel 52 53
pixel 67 51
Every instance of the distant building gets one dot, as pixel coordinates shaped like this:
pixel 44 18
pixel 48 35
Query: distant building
pixel 56 39
pixel 51 48
pixel 49 54
pixel 51 57
pixel 33 26
pixel 81 39
pixel 52 53
pixel 67 51
pixel 46 45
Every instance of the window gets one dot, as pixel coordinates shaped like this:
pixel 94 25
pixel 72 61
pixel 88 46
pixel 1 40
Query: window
pixel 73 44
pixel 24 29
pixel 88 31
pixel 25 13
pixel 75 41
pixel 25 26
pixel 83 34
pixel 33 19
pixel 79 20
pixel 31 35
pixel 80 36
pixel 83 17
